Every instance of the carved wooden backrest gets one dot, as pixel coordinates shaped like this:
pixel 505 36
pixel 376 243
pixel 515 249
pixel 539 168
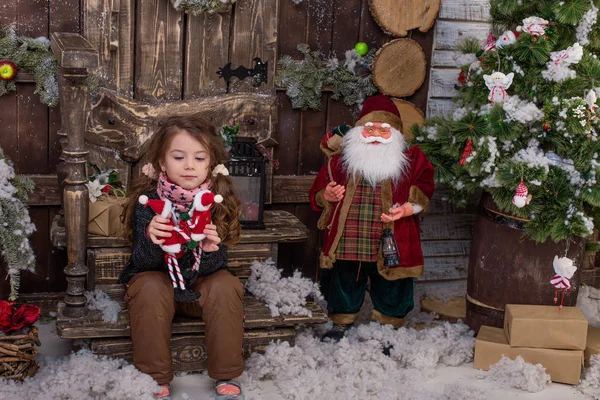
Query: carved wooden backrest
pixel 119 129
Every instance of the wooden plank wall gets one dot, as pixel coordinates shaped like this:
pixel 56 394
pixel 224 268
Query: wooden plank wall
pixel 154 53
pixel 458 19
pixel 28 136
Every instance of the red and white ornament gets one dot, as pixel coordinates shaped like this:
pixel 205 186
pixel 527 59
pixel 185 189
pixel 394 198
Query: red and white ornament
pixel 522 196
pixel 491 43
pixel 564 269
pixel 507 38
pixel 200 214
pixel 466 152
pixel 498 83
pixel 535 26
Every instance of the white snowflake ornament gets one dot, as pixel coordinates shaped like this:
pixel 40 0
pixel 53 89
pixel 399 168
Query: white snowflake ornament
pixel 498 83
pixel 507 38
pixel 535 26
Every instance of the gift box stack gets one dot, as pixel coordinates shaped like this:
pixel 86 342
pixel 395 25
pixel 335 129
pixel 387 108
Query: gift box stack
pixel 540 335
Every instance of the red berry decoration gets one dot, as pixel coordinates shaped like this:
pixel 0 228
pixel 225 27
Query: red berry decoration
pixel 546 127
pixel 8 70
pixel 462 77
pixel 466 152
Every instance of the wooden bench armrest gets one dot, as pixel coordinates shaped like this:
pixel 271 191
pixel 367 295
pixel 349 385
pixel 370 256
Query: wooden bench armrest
pixel 73 51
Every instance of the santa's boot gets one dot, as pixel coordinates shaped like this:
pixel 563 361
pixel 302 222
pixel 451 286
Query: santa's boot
pixel 336 333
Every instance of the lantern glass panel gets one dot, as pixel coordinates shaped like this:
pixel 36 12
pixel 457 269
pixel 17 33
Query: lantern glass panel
pixel 249 192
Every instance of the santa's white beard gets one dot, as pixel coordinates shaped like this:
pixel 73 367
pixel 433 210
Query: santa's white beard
pixel 374 162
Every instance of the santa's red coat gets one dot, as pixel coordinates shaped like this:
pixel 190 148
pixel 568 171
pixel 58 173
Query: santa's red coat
pixel 416 186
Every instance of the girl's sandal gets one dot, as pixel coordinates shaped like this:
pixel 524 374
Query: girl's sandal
pixel 231 383
pixel 165 393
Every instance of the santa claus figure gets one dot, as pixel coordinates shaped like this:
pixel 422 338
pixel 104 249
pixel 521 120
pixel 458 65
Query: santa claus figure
pixel 373 181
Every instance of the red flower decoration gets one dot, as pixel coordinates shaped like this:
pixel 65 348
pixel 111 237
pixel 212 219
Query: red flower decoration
pixel 12 320
pixel 8 70
pixel 106 189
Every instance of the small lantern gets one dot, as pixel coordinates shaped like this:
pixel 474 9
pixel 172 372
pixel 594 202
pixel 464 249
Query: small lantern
pixel 389 248
pixel 247 170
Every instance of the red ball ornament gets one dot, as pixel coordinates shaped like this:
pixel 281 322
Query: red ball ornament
pixel 8 70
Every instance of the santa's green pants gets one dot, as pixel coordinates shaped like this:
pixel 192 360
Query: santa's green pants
pixel 392 300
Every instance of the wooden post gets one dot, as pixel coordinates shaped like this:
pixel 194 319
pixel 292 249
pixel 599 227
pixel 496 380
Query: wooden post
pixel 74 55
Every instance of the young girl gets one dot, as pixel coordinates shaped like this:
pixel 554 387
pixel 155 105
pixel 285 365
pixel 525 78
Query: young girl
pixel 189 156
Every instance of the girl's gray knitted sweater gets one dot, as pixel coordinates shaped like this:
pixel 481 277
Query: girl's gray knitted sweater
pixel 147 256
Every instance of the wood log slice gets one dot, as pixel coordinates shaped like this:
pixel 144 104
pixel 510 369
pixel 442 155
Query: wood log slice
pixel 453 310
pixel 410 115
pixel 399 68
pixel 397 17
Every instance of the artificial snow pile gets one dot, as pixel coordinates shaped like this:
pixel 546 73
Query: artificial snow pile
pixel 82 375
pixel 519 374
pixel 284 296
pixel 98 300
pixel 588 301
pixel 356 368
pixel 591 375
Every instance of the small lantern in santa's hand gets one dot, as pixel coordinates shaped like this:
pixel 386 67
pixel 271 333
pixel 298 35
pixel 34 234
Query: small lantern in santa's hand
pixel 389 249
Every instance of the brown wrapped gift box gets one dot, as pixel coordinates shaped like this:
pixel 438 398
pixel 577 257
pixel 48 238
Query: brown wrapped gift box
pixel 562 365
pixel 545 327
pixel 104 217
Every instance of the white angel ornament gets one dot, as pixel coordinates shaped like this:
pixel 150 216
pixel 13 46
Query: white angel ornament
pixel 498 83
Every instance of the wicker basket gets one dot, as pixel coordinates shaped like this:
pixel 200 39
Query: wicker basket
pixel 17 355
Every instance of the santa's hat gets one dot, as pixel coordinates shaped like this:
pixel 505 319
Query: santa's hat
pixel 204 199
pixel 161 207
pixel 380 108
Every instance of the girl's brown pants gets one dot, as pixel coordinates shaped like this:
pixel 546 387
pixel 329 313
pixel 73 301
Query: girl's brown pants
pixel 151 312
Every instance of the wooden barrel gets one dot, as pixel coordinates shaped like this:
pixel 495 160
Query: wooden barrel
pixel 505 267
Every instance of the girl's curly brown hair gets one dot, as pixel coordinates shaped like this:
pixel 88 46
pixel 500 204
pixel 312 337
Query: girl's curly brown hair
pixel 226 216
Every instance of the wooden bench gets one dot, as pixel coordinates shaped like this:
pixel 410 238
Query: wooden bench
pixel 121 127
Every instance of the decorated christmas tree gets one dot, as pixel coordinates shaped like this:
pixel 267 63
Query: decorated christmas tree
pixel 526 130
pixel 15 224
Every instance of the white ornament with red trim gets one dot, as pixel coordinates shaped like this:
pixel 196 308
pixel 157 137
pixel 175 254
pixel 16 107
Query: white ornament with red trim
pixel 507 38
pixel 498 83
pixel 491 43
pixel 564 269
pixel 522 196
pixel 200 214
pixel 535 26
pixel 590 100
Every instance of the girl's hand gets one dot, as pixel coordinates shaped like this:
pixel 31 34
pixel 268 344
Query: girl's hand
pixel 158 228
pixel 212 239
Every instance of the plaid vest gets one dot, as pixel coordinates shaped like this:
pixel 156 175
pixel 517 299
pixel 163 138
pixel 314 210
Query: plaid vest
pixel 361 239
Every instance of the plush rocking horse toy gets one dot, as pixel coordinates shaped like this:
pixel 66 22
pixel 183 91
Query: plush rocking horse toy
pixel 188 231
